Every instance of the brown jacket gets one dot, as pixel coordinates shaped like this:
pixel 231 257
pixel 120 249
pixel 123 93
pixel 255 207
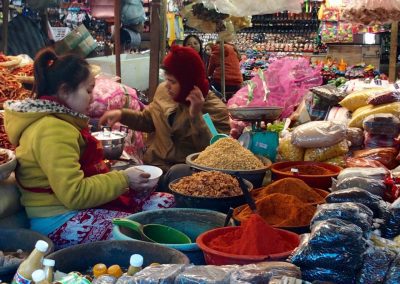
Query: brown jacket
pixel 171 144
pixel 233 76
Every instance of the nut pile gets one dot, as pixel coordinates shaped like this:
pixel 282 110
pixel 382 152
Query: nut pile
pixel 228 154
pixel 208 184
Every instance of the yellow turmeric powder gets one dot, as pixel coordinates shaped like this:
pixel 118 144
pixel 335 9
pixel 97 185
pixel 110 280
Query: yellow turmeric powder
pixel 280 210
pixel 291 186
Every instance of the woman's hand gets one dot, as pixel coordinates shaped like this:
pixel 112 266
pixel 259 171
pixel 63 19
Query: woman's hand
pixel 110 117
pixel 138 179
pixel 196 100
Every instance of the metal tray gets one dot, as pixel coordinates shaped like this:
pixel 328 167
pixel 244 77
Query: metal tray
pixel 255 113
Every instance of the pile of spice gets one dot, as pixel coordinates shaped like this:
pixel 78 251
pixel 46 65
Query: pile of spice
pixel 253 237
pixel 279 210
pixel 208 184
pixel 288 202
pixel 310 170
pixel 291 186
pixel 228 154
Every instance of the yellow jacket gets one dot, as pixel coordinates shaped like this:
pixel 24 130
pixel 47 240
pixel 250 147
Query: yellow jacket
pixel 170 144
pixel 49 145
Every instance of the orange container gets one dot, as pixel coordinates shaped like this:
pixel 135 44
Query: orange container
pixel 323 181
pixel 214 257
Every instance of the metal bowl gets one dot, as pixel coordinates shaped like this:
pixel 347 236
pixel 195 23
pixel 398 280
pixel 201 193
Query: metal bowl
pixel 113 143
pixel 255 113
pixel 254 176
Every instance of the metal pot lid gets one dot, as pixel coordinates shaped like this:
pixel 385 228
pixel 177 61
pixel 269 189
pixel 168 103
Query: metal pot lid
pixel 112 135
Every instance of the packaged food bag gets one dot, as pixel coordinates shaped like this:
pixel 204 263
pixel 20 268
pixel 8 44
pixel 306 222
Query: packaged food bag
pixel 289 152
pixel 359 98
pixel 325 153
pixel 316 134
pixel 378 141
pixel 385 155
pixel 385 124
pixel 355 136
pixel 373 173
pixel 357 120
pixel 339 161
pixel 384 97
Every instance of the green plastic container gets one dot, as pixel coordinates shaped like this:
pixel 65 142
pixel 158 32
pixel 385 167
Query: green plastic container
pixel 189 221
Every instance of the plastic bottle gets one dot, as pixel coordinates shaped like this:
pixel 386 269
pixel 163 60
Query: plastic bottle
pixel 135 264
pixel 30 264
pixel 49 268
pixel 39 277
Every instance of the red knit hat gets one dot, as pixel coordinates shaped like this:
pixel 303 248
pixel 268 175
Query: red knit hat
pixel 186 65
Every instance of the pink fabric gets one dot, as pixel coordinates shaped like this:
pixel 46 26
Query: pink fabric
pixel 92 225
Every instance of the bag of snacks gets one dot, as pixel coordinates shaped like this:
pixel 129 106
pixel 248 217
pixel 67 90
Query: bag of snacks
pixel 325 153
pixel 355 136
pixel 289 152
pixel 359 98
pixel 386 155
pixel 357 119
pixel 385 97
pixel 382 124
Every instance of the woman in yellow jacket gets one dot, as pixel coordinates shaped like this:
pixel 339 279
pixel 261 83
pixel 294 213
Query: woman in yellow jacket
pixel 174 118
pixel 66 188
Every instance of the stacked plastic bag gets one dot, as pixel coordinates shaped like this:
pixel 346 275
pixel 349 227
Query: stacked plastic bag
pixel 392 228
pixel 322 141
pixel 331 252
pixel 258 273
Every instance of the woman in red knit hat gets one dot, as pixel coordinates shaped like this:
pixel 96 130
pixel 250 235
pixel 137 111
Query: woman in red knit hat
pixel 174 118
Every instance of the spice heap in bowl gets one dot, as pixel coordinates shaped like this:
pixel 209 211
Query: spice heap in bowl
pixel 208 190
pixel 288 204
pixel 315 174
pixel 228 156
pixel 252 242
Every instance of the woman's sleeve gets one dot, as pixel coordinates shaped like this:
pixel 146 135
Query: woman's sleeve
pixel 58 154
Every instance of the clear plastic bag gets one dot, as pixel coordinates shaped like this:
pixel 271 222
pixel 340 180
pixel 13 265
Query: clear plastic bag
pixel 158 274
pixel 378 141
pixel 332 243
pixel 373 186
pixel 384 98
pixel 355 136
pixel 289 152
pixel 382 124
pixel 105 279
pixel 241 8
pixel 385 155
pixel 359 99
pixel 339 161
pixel 393 274
pixel 392 226
pixel 376 262
pixel 358 118
pixel 361 196
pixel 374 173
pixel 357 214
pixel 330 275
pixel 372 11
pixel 317 134
pixel 205 274
pixel 325 153
pixel 363 163
pixel 263 272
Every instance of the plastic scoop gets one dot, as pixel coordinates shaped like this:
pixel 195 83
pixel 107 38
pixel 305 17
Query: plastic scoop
pixel 213 130
pixel 155 233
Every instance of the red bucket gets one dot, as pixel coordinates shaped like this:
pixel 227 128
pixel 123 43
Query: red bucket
pixel 214 257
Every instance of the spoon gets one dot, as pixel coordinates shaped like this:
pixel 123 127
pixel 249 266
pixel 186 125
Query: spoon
pixel 213 130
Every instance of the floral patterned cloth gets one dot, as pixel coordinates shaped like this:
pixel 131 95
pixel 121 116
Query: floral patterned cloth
pixel 92 225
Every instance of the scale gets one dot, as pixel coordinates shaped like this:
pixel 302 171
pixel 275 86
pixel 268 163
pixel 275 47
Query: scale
pixel 259 141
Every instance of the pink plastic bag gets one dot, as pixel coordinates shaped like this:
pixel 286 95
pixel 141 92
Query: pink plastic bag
pixel 287 81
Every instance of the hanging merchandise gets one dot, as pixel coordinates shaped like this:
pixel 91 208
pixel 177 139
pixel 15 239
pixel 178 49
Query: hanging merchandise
pixel 372 11
pixel 174 28
pixel 240 8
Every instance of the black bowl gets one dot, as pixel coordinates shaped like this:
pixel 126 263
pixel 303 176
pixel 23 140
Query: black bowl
pixel 84 256
pixel 12 240
pixel 221 204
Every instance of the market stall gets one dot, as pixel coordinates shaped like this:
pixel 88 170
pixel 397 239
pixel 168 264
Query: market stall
pixel 306 188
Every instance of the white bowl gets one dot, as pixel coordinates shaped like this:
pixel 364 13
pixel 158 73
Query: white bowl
pixel 155 173
pixel 8 167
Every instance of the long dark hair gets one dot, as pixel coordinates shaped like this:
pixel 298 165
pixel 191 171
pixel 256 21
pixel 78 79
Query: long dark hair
pixel 51 71
pixel 198 39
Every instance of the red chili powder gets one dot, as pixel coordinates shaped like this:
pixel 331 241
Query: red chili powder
pixel 253 237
